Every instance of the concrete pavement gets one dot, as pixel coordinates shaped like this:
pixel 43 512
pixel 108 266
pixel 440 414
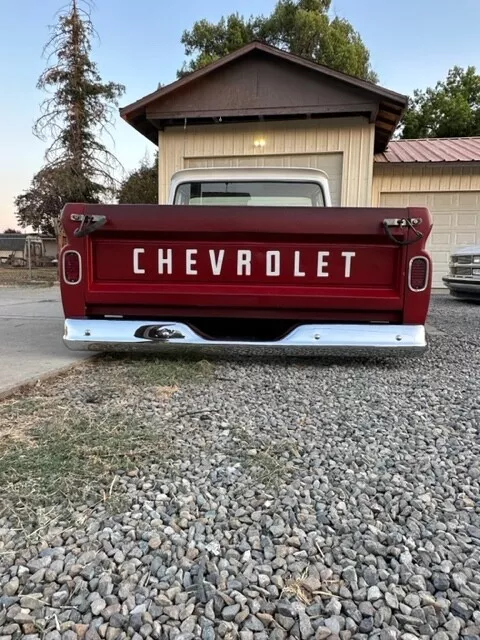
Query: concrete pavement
pixel 31 329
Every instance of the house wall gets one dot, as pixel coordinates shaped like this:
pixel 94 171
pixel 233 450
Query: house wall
pixel 7 254
pixel 398 178
pixel 353 138
pixel 50 247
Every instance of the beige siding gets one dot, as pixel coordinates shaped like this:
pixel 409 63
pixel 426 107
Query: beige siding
pixel 396 178
pixel 289 142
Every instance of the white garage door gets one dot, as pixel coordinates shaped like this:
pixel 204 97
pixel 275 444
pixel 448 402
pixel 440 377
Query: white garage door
pixel 456 221
pixel 331 163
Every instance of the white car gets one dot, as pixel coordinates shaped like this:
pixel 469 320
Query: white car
pixel 463 279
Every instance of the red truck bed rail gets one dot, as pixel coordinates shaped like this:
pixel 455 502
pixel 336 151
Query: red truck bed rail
pixel 246 275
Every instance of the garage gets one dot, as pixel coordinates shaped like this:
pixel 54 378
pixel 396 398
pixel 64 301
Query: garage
pixel 456 216
pixel 262 107
pixel 442 174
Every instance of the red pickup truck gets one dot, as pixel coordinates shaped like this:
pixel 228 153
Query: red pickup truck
pixel 246 258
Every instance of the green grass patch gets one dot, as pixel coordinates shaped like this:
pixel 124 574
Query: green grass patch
pixel 153 371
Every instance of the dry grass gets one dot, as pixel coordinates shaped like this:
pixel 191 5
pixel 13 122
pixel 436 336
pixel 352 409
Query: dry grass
pixel 300 589
pixel 263 459
pixel 57 453
pixel 20 276
pixel 50 453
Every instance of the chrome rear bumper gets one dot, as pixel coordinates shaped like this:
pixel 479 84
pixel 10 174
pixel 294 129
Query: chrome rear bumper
pixel 462 285
pixel 319 339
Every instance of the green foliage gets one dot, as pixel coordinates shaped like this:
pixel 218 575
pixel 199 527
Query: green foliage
pixel 78 110
pixel 141 185
pixel 451 109
pixel 51 188
pixel 302 27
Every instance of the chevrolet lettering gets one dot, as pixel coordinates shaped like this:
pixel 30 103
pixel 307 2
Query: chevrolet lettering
pixel 272 263
pixel 249 259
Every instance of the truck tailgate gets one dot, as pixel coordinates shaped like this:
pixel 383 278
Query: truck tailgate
pixel 248 260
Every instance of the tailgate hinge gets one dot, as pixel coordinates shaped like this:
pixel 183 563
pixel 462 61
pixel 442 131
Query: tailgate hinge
pixel 403 223
pixel 88 224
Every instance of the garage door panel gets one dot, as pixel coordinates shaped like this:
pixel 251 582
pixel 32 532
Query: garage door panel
pixel 465 238
pixel 444 222
pixel 469 201
pixel 456 222
pixel 331 163
pixel 440 240
pixel 443 202
pixel 466 220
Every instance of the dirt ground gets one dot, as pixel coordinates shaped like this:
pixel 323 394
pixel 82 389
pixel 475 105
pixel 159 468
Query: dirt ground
pixel 20 276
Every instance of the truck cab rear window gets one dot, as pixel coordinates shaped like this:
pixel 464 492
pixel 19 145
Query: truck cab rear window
pixel 253 194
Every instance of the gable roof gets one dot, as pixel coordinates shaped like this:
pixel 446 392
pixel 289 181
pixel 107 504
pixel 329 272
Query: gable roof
pixel 347 95
pixel 431 150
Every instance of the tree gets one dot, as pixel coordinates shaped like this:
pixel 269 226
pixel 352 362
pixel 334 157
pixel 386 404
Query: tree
pixel 51 188
pixel 11 231
pixel 303 27
pixel 451 109
pixel 141 185
pixel 73 118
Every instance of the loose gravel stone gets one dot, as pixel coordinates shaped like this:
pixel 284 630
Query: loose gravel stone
pixel 366 625
pixel 334 623
pixel 11 588
pixel 374 594
pixel 229 613
pixel 279 482
pixel 97 606
pixel 462 609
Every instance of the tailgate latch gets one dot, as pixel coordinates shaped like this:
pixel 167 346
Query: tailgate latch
pixel 88 224
pixel 408 223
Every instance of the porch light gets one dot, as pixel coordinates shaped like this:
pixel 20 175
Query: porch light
pixel 259 142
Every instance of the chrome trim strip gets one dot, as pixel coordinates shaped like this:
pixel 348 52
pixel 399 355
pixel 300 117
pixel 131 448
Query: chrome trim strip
pixel 79 267
pixel 465 286
pixel 159 336
pixel 427 275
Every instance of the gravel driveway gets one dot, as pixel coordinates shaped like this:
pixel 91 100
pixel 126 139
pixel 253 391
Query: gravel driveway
pixel 297 500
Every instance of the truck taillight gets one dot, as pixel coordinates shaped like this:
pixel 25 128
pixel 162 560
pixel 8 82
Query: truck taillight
pixel 72 267
pixel 418 274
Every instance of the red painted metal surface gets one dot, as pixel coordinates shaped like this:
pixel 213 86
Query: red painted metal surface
pixel 325 264
pixel 432 150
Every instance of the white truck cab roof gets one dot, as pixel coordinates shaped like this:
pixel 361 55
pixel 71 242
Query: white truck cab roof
pixel 252 174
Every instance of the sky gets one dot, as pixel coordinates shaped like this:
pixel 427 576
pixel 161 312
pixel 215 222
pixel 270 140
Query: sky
pixel 412 43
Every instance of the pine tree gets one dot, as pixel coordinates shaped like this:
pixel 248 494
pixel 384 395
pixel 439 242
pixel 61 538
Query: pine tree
pixel 74 117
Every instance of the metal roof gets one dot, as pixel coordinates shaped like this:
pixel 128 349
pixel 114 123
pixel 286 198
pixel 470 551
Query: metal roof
pixel 432 150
